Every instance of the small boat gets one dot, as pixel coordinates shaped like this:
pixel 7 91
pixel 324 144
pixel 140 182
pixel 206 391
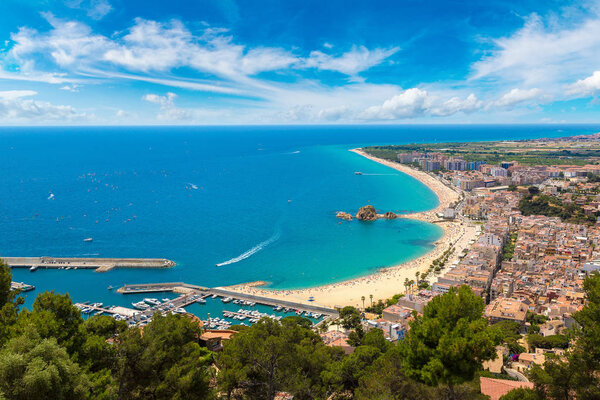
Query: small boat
pixel 201 301
pixel 33 268
pixel 358 173
pixel 88 240
pixel 110 288
pixel 179 310
pixel 166 300
pixel 227 300
pixel 214 296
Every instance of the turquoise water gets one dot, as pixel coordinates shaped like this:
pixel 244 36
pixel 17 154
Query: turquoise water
pixel 259 200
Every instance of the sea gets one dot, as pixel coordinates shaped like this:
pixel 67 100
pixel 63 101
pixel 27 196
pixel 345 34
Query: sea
pixel 228 204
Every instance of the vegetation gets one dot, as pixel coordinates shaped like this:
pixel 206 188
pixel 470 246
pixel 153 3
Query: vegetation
pixel 540 204
pixel 511 333
pixel 535 152
pixel 448 343
pixel 51 352
pixel 548 342
pixel 509 248
pixel 378 307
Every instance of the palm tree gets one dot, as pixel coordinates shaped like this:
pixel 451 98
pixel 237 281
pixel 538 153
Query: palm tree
pixel 411 283
pixel 406 285
pixel 371 296
pixel 363 300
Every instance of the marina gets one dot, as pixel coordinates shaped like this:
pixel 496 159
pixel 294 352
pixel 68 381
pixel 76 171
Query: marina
pixel 98 264
pixel 217 308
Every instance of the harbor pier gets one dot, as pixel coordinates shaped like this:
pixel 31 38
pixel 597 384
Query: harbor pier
pixel 98 264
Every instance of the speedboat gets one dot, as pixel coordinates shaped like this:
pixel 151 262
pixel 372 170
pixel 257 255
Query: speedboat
pixel 227 300
pixel 201 301
pixel 152 302
pixel 140 305
pixel 88 240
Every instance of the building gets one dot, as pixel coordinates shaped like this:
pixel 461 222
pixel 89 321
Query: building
pixel 449 213
pixel 213 339
pixel 417 301
pixel 503 309
pixel 395 313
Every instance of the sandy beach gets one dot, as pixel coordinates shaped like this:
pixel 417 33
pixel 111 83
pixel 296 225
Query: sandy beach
pixel 388 281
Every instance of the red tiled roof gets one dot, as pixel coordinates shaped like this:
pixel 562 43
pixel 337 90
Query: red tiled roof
pixel 496 388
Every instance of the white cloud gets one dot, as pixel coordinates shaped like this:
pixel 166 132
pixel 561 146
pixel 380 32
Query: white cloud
pixel 151 46
pixel 99 9
pixel 15 94
pixel 335 113
pixel 168 110
pixel 587 86
pixel 544 54
pixel 409 104
pixel 357 60
pixel 455 105
pixel 68 43
pixel 71 88
pixel 15 106
pixel 416 103
pixel 517 96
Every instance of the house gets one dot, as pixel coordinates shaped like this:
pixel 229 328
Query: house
pixel 213 339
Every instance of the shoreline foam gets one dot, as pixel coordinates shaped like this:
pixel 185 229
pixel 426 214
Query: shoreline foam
pixel 386 281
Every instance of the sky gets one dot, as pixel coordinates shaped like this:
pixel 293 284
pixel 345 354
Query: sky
pixel 214 62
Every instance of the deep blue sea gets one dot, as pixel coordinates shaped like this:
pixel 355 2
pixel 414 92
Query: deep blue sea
pixel 260 200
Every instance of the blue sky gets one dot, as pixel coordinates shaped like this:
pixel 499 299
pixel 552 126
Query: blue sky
pixel 111 62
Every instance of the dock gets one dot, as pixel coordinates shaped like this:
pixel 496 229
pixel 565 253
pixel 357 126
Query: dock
pixel 97 264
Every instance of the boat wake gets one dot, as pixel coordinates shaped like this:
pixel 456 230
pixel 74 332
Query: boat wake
pixel 293 152
pixel 252 251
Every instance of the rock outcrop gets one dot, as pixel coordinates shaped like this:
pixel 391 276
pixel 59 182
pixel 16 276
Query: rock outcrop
pixel 390 215
pixel 366 213
pixel 344 215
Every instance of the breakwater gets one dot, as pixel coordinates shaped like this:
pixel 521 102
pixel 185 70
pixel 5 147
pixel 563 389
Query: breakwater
pixel 98 264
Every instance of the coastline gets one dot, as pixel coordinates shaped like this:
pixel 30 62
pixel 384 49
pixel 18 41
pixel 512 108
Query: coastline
pixel 388 281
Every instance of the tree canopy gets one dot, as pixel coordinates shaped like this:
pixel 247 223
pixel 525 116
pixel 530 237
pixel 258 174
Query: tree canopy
pixel 449 342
